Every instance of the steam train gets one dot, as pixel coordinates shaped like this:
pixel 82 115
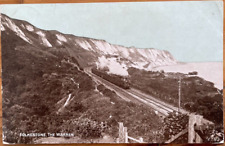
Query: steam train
pixel 120 81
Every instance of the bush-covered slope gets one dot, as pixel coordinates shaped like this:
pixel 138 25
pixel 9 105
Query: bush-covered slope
pixel 197 94
pixel 37 82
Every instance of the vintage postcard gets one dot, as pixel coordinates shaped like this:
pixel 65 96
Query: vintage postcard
pixel 128 72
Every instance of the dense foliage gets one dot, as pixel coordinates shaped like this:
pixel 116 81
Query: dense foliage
pixel 175 123
pixel 197 94
pixel 38 81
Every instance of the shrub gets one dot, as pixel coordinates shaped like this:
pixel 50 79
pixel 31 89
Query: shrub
pixel 85 127
pixel 173 124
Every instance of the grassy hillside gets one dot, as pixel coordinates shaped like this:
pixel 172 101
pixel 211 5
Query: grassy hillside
pixel 197 94
pixel 38 80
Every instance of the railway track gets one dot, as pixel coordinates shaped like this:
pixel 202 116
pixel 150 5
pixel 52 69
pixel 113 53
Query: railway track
pixel 131 95
pixel 136 96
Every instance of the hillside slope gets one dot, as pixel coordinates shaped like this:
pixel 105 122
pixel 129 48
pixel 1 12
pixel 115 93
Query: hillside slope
pixel 87 51
pixel 45 90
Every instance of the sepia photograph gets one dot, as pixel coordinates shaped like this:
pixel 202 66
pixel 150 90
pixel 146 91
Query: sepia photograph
pixel 119 72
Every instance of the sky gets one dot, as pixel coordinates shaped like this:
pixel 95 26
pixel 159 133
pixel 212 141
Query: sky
pixel 192 31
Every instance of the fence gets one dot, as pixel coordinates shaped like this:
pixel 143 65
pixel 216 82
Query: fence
pixel 123 135
pixel 195 126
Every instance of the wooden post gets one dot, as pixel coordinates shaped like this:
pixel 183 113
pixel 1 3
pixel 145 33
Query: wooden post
pixel 141 140
pixel 121 133
pixel 117 140
pixel 192 136
pixel 125 135
pixel 198 139
pixel 191 130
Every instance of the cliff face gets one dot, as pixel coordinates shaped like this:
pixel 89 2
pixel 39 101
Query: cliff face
pixel 87 51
